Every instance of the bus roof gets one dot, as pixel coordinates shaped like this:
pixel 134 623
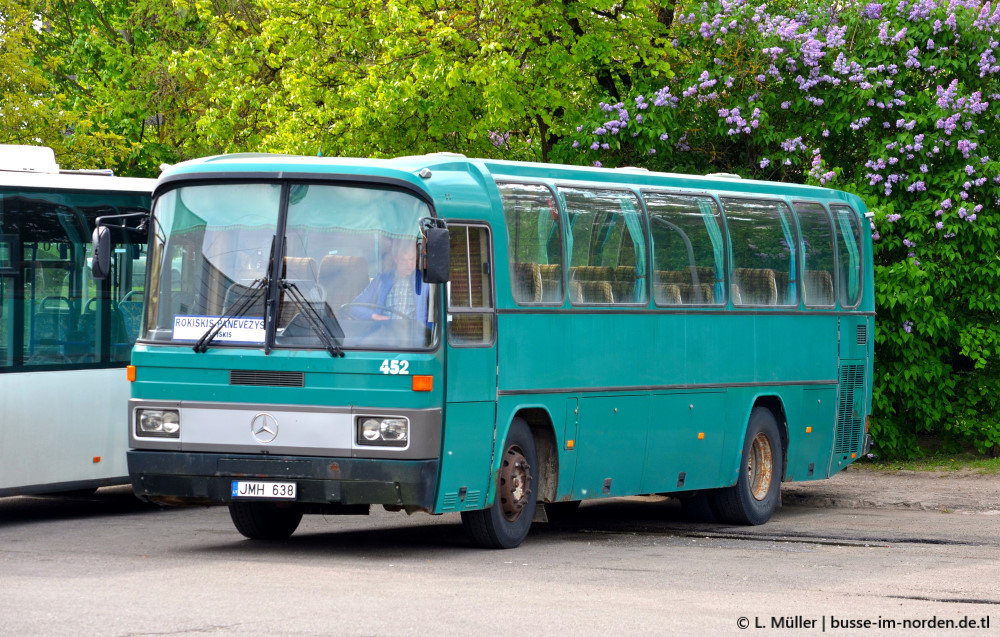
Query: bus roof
pixel 412 169
pixel 75 181
pixel 35 167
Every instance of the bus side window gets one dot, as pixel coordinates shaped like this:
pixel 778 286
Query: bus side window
pixel 470 289
pixel 534 243
pixel 606 246
pixel 688 249
pixel 762 235
pixel 849 244
pixel 817 254
pixel 6 319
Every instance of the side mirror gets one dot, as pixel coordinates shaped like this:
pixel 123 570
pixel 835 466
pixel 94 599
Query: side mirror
pixel 437 255
pixel 100 264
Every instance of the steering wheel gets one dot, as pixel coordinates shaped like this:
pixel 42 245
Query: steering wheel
pixel 376 309
pixel 53 299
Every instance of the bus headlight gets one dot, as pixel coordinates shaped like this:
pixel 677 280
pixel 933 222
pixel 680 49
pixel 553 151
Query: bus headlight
pixel 383 432
pixel 158 423
pixel 370 430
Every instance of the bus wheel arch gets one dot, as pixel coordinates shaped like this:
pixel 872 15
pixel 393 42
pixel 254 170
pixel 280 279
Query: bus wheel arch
pixel 505 524
pixel 540 423
pixel 757 492
pixel 777 408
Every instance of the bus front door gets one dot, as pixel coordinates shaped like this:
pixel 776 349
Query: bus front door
pixel 470 373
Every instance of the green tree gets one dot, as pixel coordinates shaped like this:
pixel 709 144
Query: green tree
pixel 29 105
pixel 396 77
pixel 95 81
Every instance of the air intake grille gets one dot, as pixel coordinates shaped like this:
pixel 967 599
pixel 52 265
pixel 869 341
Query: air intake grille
pixel 850 419
pixel 862 335
pixel 266 378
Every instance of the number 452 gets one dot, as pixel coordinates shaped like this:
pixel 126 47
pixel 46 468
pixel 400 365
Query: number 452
pixel 394 367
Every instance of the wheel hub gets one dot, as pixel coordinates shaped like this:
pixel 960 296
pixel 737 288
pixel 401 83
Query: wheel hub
pixel 515 483
pixel 760 465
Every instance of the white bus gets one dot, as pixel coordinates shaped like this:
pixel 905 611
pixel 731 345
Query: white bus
pixel 64 337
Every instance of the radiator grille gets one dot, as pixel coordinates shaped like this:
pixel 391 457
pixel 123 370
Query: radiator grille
pixel 263 378
pixel 849 421
pixel 862 335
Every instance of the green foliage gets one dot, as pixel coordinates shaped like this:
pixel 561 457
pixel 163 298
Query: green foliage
pixel 134 84
pixel 896 102
pixel 99 92
pixel 392 77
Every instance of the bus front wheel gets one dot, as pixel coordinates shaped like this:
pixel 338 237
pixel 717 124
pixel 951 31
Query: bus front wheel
pixel 265 520
pixel 506 523
pixel 756 493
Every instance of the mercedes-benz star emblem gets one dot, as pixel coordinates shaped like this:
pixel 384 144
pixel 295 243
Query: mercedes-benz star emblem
pixel 264 428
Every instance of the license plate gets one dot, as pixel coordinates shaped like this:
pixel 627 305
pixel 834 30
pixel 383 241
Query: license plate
pixel 264 490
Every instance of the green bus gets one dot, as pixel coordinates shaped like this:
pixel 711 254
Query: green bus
pixel 566 334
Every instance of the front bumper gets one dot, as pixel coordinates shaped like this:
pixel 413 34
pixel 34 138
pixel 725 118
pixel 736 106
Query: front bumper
pixel 174 477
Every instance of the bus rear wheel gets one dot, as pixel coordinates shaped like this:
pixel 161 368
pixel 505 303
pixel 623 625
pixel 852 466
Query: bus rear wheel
pixel 265 520
pixel 754 497
pixel 506 523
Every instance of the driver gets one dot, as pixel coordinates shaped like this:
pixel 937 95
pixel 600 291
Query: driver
pixel 400 290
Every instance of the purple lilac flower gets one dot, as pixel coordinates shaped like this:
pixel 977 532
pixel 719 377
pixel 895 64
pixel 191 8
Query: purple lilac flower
pixel 872 11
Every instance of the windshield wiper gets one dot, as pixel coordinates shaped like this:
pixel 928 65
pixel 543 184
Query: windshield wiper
pixel 243 303
pixel 315 321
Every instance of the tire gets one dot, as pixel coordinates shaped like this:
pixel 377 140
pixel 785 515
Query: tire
pixel 265 520
pixel 505 524
pixel 757 492
pixel 700 507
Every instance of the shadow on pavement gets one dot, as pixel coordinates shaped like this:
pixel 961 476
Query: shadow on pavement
pixel 388 535
pixel 106 501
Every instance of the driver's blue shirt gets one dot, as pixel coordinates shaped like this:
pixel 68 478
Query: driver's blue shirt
pixel 378 290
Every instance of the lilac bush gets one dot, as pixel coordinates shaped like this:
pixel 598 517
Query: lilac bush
pixel 896 101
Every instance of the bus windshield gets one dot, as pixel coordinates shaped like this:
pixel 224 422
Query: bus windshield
pixel 347 275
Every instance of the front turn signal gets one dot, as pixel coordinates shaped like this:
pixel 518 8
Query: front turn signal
pixel 423 383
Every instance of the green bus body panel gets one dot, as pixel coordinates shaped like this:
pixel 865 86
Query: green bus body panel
pixel 637 399
pixel 608 350
pixel 817 407
pixel 612 435
pixel 178 373
pixel 686 432
pixel 465 483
